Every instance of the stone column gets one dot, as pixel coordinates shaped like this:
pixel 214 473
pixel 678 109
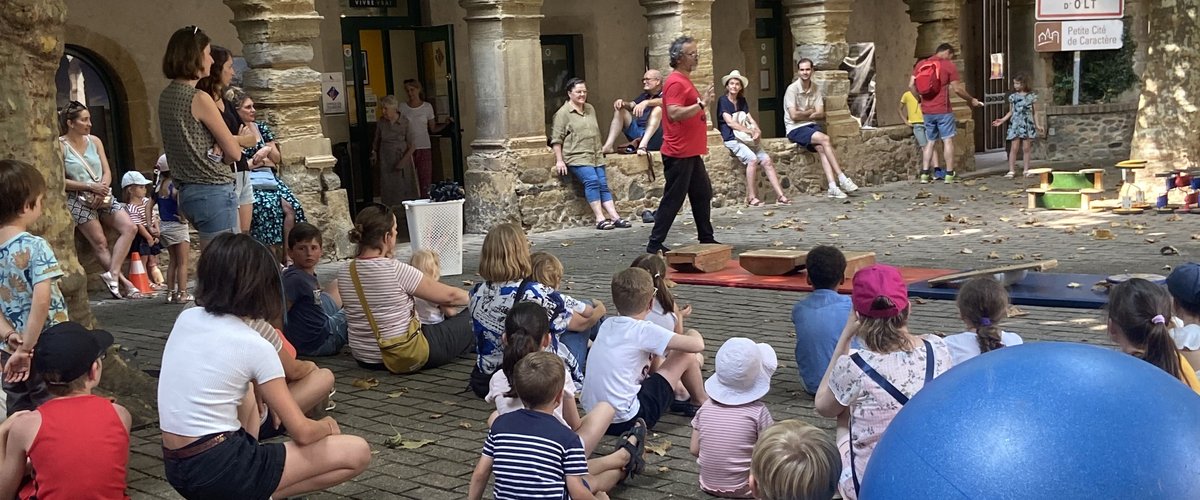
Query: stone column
pixel 938 22
pixel 510 143
pixel 277 44
pixel 819 29
pixel 671 19
pixel 1166 129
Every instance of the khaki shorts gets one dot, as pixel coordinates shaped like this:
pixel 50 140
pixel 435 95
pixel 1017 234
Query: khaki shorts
pixel 172 233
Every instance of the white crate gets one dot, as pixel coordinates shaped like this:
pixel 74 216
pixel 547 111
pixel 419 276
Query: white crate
pixel 437 226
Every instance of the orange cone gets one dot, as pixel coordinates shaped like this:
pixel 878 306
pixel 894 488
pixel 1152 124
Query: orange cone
pixel 137 273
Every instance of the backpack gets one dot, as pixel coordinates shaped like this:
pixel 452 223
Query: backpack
pixel 927 79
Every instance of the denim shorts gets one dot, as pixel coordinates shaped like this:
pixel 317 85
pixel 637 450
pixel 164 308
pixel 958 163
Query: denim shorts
pixel 243 187
pixel 745 153
pixel 919 133
pixel 940 126
pixel 211 208
pixel 636 131
pixel 803 136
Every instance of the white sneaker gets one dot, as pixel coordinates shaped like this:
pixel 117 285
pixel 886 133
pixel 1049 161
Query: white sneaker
pixel 847 185
pixel 834 192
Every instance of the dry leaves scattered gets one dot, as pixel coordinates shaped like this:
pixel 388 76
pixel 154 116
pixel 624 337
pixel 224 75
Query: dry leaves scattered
pixel 365 383
pixel 659 449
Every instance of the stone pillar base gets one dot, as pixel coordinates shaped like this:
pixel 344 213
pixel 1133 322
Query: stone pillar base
pixel 500 180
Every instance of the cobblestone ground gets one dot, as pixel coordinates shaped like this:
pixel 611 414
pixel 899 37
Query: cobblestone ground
pixel 976 223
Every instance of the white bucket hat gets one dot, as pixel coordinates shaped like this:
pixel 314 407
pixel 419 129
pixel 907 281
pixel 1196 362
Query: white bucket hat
pixel 744 370
pixel 735 74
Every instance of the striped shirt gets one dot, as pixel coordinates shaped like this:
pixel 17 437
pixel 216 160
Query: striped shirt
pixel 532 454
pixel 137 211
pixel 388 285
pixel 727 437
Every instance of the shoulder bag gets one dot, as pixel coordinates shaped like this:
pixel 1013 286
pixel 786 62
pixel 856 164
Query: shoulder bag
pixel 403 354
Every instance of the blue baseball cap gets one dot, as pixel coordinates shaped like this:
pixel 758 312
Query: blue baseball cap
pixel 1184 283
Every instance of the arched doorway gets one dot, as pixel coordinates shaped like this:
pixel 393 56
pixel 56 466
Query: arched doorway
pixel 82 76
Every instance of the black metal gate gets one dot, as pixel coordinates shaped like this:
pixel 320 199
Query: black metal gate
pixel 994 75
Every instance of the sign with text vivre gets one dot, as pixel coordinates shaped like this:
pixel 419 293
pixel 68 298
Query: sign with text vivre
pixel 1067 36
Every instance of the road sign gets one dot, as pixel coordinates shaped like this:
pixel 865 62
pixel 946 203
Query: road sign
pixel 1077 10
pixel 1067 36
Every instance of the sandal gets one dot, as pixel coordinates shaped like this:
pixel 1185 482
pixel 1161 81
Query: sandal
pixel 684 407
pixel 171 297
pixel 755 202
pixel 782 200
pixel 605 225
pixel 637 460
pixel 184 298
pixel 622 223
pixel 135 294
pixel 1010 174
pixel 113 286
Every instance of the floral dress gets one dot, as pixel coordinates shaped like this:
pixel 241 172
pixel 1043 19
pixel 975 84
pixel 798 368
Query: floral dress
pixel 1020 125
pixel 266 225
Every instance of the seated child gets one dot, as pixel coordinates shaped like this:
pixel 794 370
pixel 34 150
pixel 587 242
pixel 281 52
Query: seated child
pixel 794 461
pixel 1137 312
pixel 531 453
pixel 76 444
pixel 820 317
pixel 309 385
pixel 622 350
pixel 727 426
pixel 430 265
pixel 527 330
pixel 982 305
pixel 316 323
pixel 585 318
pixel 140 208
pixel 859 384
pixel 1184 285
pixel 664 311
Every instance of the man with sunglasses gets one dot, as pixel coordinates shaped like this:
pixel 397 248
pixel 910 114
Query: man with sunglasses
pixel 638 119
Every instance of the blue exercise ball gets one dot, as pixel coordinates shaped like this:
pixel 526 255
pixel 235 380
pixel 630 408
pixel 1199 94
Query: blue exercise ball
pixel 1043 420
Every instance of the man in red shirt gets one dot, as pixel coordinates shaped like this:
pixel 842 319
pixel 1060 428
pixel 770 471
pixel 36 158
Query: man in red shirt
pixel 935 105
pixel 684 142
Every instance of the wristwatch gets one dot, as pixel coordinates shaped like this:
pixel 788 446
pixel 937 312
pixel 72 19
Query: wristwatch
pixel 700 103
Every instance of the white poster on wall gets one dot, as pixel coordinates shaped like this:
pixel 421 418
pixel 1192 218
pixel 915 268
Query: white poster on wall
pixel 333 93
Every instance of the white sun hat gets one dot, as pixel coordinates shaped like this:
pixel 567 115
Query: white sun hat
pixel 743 374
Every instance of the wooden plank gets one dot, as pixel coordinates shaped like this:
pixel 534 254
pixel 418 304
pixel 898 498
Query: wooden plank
pixel 856 260
pixel 702 257
pixel 1041 265
pixel 772 262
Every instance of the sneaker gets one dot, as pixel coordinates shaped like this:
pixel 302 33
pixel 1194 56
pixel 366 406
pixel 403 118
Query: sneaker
pixel 834 192
pixel 939 174
pixel 925 178
pixel 950 177
pixel 847 185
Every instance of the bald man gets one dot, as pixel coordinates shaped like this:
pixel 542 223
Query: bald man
pixel 638 119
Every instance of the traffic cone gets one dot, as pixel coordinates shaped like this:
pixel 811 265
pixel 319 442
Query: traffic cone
pixel 137 273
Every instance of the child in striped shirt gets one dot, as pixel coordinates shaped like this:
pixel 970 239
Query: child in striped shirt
pixel 728 424
pixel 530 451
pixel 141 212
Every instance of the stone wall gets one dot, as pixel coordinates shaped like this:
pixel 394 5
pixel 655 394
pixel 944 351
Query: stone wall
pixel 1089 131
pixel 547 201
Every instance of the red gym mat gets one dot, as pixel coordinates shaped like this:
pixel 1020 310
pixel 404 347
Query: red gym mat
pixel 734 276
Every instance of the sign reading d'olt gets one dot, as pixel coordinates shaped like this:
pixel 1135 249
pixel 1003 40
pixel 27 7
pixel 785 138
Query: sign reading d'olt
pixel 1070 36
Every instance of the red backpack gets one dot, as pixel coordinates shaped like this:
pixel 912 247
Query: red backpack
pixel 927 78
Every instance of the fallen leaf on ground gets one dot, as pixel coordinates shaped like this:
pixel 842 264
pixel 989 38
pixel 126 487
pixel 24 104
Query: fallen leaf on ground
pixel 468 283
pixel 412 445
pixel 922 194
pixel 1103 234
pixel 1174 218
pixel 1167 250
pixel 1014 312
pixel 663 468
pixel 436 416
pixel 918 300
pixel 948 218
pixel 566 244
pixel 966 250
pixel 983 188
pixel 1036 256
pixel 1005 219
pixel 841 217
pixel 1114 224
pixel 877 196
pixel 365 383
pixel 1073 285
pixel 659 449
pixel 396 394
pixel 464 425
pixel 776 243
pixel 993 256
pixel 1019 256
pixel 768 213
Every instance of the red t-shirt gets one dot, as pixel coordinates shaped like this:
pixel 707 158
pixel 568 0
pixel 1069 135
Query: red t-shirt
pixel 79 452
pixel 940 103
pixel 685 138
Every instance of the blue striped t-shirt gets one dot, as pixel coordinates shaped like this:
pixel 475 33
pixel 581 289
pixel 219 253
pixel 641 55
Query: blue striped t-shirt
pixel 532 454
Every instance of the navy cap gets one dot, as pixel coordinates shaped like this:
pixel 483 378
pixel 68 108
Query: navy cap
pixel 1184 283
pixel 68 351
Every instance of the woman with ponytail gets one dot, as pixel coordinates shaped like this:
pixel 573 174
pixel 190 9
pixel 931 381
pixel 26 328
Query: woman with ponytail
pixel 526 331
pixel 982 305
pixel 377 294
pixel 865 388
pixel 1137 323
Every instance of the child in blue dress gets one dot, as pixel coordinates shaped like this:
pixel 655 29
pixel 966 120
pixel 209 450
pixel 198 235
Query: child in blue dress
pixel 1022 121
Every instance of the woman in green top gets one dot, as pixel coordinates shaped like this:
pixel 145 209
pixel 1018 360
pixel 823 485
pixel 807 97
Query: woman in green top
pixel 575 138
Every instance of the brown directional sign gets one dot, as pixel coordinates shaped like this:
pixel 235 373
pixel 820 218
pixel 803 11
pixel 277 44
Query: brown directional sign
pixel 1069 36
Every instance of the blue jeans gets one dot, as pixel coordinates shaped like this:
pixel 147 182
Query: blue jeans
pixel 595 182
pixel 211 208
pixel 577 342
pixel 335 328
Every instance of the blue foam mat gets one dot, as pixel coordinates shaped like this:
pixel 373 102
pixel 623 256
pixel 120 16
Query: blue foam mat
pixel 1037 289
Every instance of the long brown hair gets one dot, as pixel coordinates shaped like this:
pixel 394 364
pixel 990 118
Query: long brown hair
pixel 525 328
pixel 657 267
pixel 983 303
pixel 505 254
pixel 1141 310
pixel 211 84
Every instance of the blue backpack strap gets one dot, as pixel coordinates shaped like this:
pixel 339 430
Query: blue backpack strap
pixel 929 361
pixel 883 382
pixel 853 470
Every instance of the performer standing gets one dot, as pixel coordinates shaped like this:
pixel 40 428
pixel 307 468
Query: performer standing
pixel 684 142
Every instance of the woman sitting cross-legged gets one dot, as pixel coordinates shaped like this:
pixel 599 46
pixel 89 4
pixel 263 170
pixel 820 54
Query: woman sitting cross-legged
pixel 209 362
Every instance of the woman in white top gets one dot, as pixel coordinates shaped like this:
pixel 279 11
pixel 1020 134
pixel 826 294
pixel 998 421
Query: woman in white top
pixel 422 121
pixel 982 305
pixel 211 359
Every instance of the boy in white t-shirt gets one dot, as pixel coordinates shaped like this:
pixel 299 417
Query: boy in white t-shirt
pixel 622 349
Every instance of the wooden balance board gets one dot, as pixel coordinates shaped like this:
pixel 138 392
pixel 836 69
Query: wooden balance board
pixel 771 262
pixel 1040 265
pixel 702 257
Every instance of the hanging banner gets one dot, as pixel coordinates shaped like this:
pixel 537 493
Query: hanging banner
pixel 333 93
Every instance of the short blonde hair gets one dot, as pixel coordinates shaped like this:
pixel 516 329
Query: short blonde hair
pixel 632 289
pixel 547 269
pixel 795 461
pixel 388 101
pixel 505 254
pixel 426 261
